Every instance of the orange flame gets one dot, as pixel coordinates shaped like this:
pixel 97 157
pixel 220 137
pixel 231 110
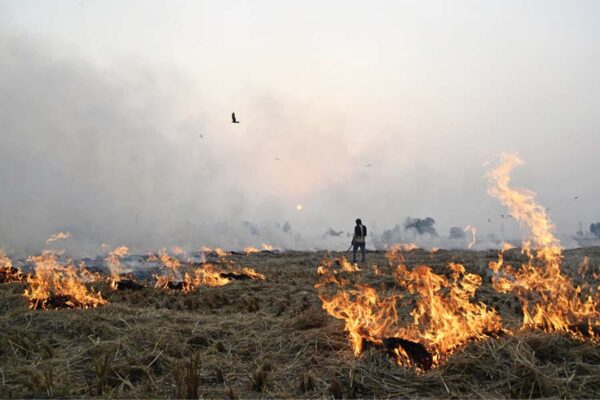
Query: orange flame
pixel 442 319
pixel 267 247
pixel 250 250
pixel 253 274
pixel 206 275
pixel 54 283
pixel 113 260
pixel 8 273
pixel 58 236
pixel 550 300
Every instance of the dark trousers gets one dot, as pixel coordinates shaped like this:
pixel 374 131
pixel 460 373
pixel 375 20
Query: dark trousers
pixel 355 247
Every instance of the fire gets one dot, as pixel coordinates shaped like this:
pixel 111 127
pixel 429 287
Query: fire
pixel 442 319
pixel 8 273
pixel 267 247
pixel 426 316
pixel 217 251
pixel 114 265
pixel 405 247
pixel 171 270
pixel 250 250
pixel 220 252
pixel 550 300
pixel 252 274
pixel 54 285
pixel 58 236
pixel 473 232
pixel 178 250
pixel 206 275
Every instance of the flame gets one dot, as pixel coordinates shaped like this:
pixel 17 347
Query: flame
pixel 250 250
pixel 442 318
pixel 52 281
pixel 405 247
pixel 221 252
pixel 253 274
pixel 550 300
pixel 473 232
pixel 171 269
pixel 267 247
pixel 8 273
pixel 178 250
pixel 206 275
pixel 113 260
pixel 59 236
pixel 218 251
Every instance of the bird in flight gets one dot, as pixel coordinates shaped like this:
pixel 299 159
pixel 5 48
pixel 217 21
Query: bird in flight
pixel 575 198
pixel 368 165
pixel 233 120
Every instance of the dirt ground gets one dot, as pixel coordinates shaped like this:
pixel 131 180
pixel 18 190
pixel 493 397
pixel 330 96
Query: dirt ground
pixel 270 339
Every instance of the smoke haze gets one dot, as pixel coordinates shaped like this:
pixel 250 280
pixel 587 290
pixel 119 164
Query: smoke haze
pixel 122 135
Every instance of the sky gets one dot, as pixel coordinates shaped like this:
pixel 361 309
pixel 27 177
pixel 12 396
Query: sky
pixel 115 118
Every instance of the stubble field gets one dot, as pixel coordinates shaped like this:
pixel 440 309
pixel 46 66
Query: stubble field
pixel 272 339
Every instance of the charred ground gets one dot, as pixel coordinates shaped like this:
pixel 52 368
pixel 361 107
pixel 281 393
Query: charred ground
pixel 271 339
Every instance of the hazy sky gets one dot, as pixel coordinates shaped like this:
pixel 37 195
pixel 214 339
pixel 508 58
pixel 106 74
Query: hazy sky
pixel 102 104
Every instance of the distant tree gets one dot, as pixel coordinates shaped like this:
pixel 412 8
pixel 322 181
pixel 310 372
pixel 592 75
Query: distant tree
pixel 421 226
pixel 595 229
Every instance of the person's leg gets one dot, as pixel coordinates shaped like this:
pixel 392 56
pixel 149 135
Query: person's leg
pixel 363 251
pixel 354 249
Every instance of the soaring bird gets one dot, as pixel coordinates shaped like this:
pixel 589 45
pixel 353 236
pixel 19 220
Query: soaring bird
pixel 576 197
pixel 233 120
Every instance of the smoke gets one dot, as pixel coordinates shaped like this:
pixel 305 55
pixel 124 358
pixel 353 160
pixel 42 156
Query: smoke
pixel 116 155
pixel 125 153
pixel 89 151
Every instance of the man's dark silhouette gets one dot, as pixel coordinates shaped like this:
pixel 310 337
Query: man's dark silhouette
pixel 359 240
pixel 233 120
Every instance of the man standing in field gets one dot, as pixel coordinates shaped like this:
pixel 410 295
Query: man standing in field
pixel 358 240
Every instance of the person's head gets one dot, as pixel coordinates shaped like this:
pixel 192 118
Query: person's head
pixel 358 221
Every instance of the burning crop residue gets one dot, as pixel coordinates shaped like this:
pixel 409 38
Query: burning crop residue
pixel 8 273
pixel 421 317
pixel 443 316
pixel 550 300
pixel 114 265
pixel 53 285
pixel 116 280
pixel 173 276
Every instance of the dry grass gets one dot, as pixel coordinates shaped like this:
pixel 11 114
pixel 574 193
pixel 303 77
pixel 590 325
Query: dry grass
pixel 267 339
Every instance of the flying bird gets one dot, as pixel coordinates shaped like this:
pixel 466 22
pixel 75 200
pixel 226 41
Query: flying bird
pixel 575 198
pixel 233 120
pixel 368 165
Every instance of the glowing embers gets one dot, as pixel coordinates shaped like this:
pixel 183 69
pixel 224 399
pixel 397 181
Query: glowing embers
pixel 8 273
pixel 173 276
pixel 53 285
pixel 550 300
pixel 419 316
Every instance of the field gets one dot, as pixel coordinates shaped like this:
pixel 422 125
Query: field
pixel 272 339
